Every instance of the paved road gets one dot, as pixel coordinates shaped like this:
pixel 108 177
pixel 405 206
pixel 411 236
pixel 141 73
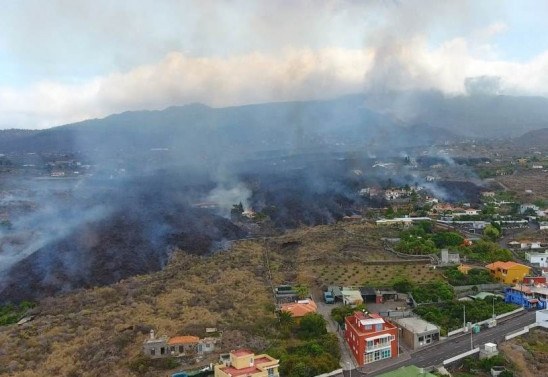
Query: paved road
pixel 456 345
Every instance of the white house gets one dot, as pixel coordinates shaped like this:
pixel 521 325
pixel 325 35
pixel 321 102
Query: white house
pixel 538 258
pixel 530 245
pixel 542 318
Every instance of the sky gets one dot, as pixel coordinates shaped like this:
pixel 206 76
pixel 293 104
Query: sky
pixel 63 61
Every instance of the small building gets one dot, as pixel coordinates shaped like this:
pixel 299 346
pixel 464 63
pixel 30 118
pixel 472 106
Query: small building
pixel 351 296
pixel 285 293
pixel 529 297
pixel 534 280
pixel 336 292
pixel 464 268
pixel 177 346
pixel 525 207
pixel 508 272
pixel 540 259
pixel 449 258
pixel 542 318
pixel 245 363
pixel 417 333
pixel 183 345
pixel 155 347
pixel 300 308
pixel 371 338
pixel 543 225
pixel 488 351
pixel 368 294
pixel 528 244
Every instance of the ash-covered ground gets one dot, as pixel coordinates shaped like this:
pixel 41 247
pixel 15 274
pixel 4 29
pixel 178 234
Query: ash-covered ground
pixel 65 232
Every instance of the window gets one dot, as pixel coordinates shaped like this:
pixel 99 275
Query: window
pixel 162 351
pixel 270 372
pixel 378 327
pixel 377 355
pixel 152 351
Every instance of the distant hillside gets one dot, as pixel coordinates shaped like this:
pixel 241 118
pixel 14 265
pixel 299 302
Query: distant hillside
pixel 490 116
pixel 200 131
pixel 534 138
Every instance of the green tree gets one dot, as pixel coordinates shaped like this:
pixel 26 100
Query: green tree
pixel 312 325
pixel 340 313
pixel 302 291
pixel 286 323
pixel 403 285
pixel 447 239
pixel 491 232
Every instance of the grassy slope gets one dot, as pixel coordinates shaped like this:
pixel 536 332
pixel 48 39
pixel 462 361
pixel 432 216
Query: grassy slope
pixel 96 332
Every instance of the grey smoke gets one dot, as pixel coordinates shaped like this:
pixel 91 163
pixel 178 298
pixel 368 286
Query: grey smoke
pixel 483 85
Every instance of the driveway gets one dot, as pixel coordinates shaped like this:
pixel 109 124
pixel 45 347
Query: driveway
pixel 347 360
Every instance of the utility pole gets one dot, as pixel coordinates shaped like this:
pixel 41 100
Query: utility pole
pixel 464 319
pixel 471 340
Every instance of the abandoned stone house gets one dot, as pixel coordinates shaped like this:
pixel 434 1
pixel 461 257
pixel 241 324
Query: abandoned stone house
pixel 158 347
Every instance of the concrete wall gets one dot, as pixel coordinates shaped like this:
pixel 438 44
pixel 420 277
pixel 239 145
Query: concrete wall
pixel 461 356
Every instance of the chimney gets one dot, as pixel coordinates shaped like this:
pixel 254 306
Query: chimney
pixel 152 336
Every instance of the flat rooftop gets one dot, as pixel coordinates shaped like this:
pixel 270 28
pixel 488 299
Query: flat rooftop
pixel 416 325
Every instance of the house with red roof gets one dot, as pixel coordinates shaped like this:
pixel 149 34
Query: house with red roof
pixel 177 346
pixel 508 272
pixel 300 308
pixel 244 363
pixel 371 337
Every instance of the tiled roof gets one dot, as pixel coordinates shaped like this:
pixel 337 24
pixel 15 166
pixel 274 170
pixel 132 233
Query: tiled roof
pixel 240 372
pixel 504 265
pixel 300 308
pixel 186 339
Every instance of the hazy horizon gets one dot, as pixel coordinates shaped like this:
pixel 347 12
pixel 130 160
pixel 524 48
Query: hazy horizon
pixel 67 62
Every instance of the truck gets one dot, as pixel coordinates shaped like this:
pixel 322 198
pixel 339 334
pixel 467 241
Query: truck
pixel 328 297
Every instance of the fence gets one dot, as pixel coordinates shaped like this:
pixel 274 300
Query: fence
pixel 520 332
pixel 479 287
pixel 461 356
pixel 500 316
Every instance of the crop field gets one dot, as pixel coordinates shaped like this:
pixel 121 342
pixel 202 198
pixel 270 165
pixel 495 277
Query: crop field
pixel 343 254
pixel 534 180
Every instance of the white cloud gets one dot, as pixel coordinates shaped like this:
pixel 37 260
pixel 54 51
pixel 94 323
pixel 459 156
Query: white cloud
pixel 391 61
pixel 178 79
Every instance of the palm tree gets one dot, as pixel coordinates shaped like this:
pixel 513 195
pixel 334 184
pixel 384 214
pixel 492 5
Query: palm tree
pixel 286 320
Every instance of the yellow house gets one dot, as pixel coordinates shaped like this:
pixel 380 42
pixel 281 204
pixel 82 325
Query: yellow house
pixel 508 272
pixel 244 363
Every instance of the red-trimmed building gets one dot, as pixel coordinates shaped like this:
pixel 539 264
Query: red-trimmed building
pixel 371 338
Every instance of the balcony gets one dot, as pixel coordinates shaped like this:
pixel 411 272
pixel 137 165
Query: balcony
pixel 377 346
